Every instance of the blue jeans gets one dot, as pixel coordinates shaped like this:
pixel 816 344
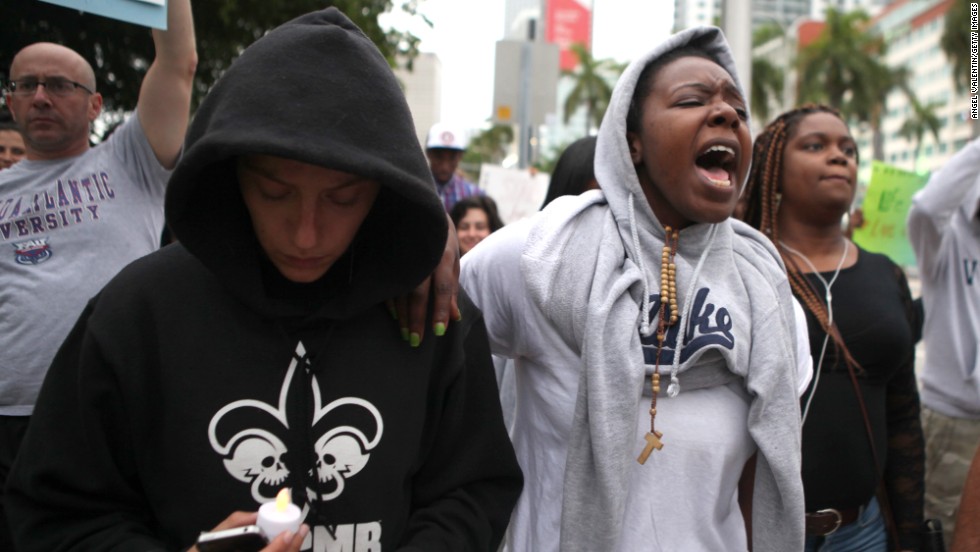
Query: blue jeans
pixel 866 534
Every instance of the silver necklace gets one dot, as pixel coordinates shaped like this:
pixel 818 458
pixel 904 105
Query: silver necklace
pixel 830 314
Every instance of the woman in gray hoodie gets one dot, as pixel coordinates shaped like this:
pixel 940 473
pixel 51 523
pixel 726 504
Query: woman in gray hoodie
pixel 653 335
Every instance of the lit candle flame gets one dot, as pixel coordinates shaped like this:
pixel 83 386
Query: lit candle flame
pixel 282 500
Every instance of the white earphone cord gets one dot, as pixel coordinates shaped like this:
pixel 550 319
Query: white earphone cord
pixel 830 315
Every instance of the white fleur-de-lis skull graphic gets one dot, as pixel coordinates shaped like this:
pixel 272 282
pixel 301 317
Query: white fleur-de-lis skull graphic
pixel 251 437
pixel 261 461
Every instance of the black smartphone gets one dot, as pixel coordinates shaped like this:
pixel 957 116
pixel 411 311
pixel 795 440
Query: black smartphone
pixel 239 539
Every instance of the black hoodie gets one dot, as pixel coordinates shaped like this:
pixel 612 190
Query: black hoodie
pixel 200 381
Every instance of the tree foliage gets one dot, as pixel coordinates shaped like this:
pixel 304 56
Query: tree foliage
pixel 121 52
pixel 840 67
pixel 767 83
pixel 843 68
pixel 955 42
pixel 922 119
pixel 591 86
pixel 489 146
pixel 766 32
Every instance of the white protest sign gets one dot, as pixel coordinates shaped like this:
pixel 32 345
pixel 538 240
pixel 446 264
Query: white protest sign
pixel 518 192
pixel 148 13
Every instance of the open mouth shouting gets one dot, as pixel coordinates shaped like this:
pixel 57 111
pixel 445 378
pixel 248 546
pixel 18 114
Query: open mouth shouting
pixel 718 163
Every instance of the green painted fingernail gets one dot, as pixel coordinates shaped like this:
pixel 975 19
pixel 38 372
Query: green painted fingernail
pixel 414 339
pixel 404 334
pixel 440 329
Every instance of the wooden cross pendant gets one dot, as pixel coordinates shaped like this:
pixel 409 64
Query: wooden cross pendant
pixel 653 442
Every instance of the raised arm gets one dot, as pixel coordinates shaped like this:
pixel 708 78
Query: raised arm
pixel 165 95
pixel 933 207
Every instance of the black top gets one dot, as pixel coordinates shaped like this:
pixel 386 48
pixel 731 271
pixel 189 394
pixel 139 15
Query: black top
pixel 872 308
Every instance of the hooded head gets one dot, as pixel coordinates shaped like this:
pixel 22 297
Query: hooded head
pixel 312 102
pixel 677 133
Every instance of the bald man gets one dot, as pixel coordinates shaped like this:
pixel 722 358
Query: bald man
pixel 71 215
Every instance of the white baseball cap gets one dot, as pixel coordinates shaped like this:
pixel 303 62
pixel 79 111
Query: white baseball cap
pixel 445 136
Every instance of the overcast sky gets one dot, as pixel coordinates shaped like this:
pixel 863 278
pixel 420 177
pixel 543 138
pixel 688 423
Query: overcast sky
pixel 465 33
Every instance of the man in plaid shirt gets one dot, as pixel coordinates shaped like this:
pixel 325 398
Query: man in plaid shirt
pixel 444 147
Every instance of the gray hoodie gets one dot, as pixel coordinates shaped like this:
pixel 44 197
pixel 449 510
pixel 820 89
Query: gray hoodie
pixel 588 274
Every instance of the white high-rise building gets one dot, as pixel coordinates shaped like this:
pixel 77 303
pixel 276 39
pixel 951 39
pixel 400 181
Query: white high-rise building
pixel 912 31
pixel 780 12
pixel 819 7
pixel 517 14
pixel 423 91
pixel 554 133
pixel 691 13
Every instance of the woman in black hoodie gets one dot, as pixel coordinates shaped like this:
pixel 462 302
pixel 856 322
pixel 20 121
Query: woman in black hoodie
pixel 257 353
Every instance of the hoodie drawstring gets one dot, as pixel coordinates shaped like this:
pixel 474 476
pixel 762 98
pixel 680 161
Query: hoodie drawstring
pixel 675 384
pixel 645 330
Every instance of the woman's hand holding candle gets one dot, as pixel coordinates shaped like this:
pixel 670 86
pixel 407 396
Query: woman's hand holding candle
pixel 279 516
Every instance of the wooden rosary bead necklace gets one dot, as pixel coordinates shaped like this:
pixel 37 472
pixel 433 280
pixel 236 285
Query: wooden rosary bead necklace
pixel 668 296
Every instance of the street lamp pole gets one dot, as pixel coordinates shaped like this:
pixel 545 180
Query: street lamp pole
pixel 737 24
pixel 525 134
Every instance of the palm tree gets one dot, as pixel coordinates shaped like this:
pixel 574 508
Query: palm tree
pixel 767 78
pixel 490 146
pixel 841 60
pixel 955 43
pixel 922 119
pixel 841 68
pixel 592 89
pixel 767 82
pixel 766 32
pixel 883 79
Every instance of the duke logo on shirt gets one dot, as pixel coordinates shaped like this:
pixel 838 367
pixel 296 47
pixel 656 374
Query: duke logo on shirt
pixel 709 325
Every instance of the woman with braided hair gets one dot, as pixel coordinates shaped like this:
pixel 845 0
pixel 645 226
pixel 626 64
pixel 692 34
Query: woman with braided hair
pixel 861 431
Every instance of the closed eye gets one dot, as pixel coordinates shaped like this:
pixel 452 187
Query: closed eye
pixel 272 191
pixel 344 197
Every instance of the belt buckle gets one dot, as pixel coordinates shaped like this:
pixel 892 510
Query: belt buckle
pixel 839 519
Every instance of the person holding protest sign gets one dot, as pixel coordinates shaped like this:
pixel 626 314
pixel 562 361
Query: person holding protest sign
pixel 72 215
pixel 861 412
pixel 943 226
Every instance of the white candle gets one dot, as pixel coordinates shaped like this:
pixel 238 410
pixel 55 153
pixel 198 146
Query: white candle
pixel 280 515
